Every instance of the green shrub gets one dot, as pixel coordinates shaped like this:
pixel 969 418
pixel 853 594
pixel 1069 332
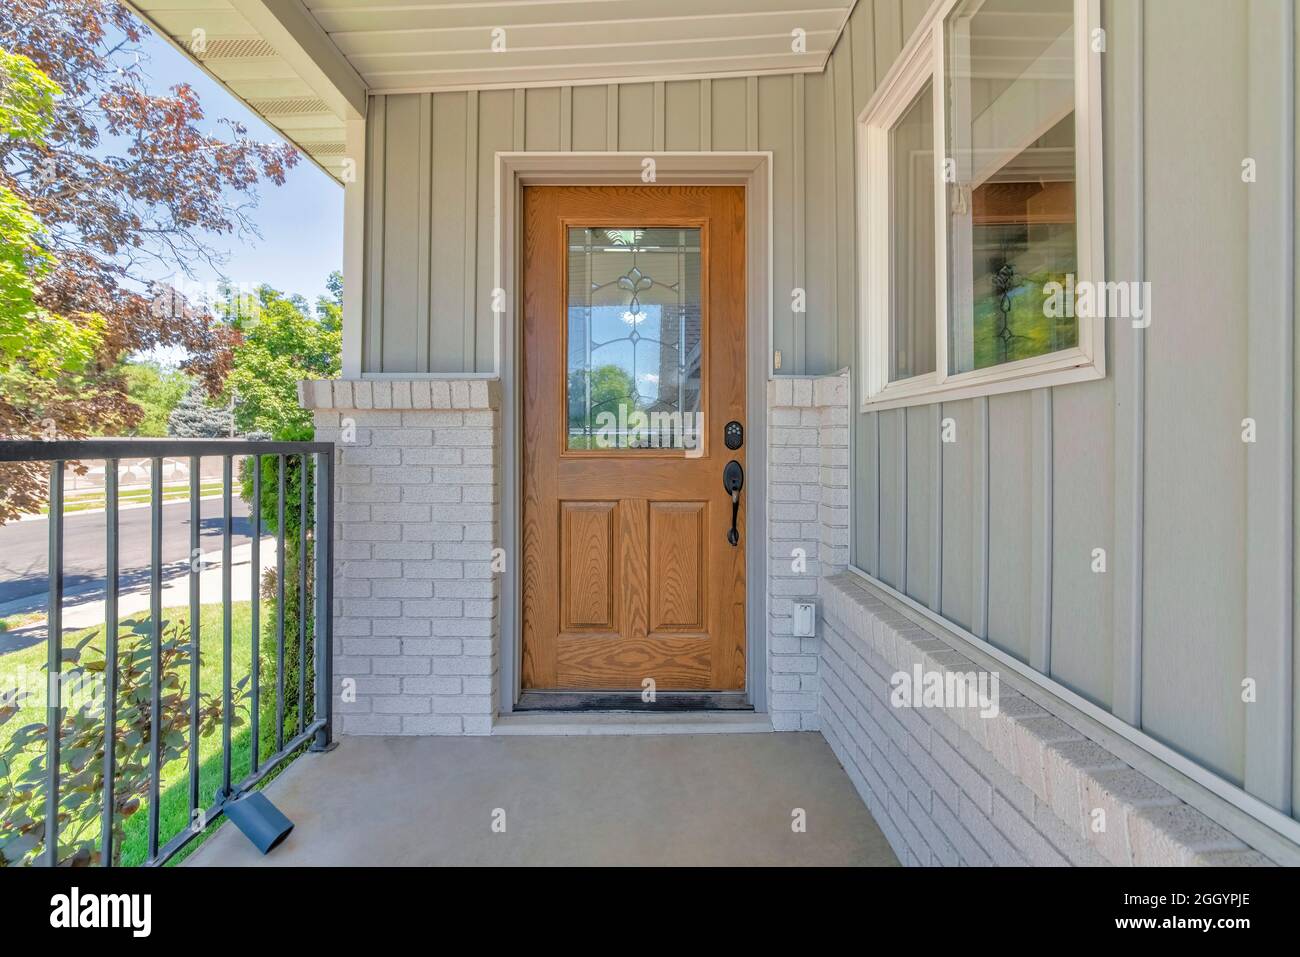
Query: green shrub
pixel 293 533
pixel 82 742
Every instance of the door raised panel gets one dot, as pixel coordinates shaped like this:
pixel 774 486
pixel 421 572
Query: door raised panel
pixel 678 569
pixel 588 569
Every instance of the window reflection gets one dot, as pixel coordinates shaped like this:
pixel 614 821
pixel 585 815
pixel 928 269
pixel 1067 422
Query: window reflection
pixel 634 338
pixel 1011 202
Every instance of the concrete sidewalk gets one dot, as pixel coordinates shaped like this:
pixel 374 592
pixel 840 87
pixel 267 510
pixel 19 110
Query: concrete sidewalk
pixel 673 799
pixel 87 612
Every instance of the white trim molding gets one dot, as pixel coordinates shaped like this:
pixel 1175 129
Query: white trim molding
pixel 354 248
pixel 924 60
pixel 296 35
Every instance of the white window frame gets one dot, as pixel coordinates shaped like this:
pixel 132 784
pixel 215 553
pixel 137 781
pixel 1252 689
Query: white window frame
pixel 923 60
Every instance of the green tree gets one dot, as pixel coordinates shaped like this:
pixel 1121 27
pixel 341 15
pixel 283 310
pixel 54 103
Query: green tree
pixel 329 309
pixel 157 391
pixel 26 110
pixel 610 386
pixel 33 342
pixel 282 343
pixel 195 417
pixel 43 356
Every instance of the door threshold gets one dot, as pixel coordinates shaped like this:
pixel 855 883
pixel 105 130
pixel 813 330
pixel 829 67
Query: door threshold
pixel 631 702
pixel 556 724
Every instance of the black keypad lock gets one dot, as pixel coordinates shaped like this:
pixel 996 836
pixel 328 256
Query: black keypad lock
pixel 733 435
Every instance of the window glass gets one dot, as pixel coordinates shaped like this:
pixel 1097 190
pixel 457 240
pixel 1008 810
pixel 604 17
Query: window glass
pixel 911 219
pixel 634 338
pixel 1010 168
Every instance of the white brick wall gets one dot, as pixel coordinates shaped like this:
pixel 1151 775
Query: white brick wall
pixel 417 489
pixel 417 513
pixel 808 517
pixel 948 786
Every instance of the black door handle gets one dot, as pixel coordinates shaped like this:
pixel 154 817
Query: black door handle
pixel 733 480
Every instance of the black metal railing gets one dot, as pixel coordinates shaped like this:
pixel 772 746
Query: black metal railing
pixel 313 464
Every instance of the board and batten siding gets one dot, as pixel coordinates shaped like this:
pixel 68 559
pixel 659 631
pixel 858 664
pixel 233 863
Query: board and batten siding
pixel 996 531
pixel 431 167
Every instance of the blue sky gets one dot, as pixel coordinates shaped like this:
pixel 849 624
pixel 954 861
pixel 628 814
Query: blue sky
pixel 301 222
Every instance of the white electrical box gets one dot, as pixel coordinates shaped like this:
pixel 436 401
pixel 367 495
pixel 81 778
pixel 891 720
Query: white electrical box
pixel 805 619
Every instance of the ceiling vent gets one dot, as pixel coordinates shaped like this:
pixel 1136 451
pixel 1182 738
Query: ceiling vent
pixel 240 49
pixel 289 106
pixel 323 149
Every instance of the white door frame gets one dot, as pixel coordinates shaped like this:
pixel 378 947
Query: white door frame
pixel 751 169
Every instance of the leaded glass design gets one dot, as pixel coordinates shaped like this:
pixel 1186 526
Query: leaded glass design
pixel 634 338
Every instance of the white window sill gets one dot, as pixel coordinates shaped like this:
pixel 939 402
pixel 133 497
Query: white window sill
pixel 1063 369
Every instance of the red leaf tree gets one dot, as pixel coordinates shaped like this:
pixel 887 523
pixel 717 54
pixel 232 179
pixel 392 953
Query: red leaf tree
pixel 128 186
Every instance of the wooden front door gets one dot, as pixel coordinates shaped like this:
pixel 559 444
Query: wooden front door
pixel 633 366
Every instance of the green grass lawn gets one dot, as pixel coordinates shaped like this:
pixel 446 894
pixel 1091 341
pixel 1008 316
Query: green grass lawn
pixel 174 801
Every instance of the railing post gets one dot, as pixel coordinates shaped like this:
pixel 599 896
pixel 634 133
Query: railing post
pixel 155 648
pixel 227 672
pixel 254 758
pixel 196 568
pixel 110 659
pixel 279 603
pixel 53 682
pixel 324 627
pixel 302 591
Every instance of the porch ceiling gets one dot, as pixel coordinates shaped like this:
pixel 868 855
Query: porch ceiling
pixel 306 66
pixel 422 45
pixel 264 55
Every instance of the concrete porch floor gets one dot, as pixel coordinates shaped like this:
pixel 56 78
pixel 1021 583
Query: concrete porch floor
pixel 678 799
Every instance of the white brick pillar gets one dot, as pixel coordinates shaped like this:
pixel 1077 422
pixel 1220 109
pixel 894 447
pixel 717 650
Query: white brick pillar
pixel 808 521
pixel 416 519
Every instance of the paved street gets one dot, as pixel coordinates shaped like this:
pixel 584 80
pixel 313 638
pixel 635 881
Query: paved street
pixel 87 609
pixel 23 547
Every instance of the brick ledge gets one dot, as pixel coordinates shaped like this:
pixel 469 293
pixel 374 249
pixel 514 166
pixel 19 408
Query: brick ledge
pixel 440 394
pixel 1066 771
pixel 808 391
